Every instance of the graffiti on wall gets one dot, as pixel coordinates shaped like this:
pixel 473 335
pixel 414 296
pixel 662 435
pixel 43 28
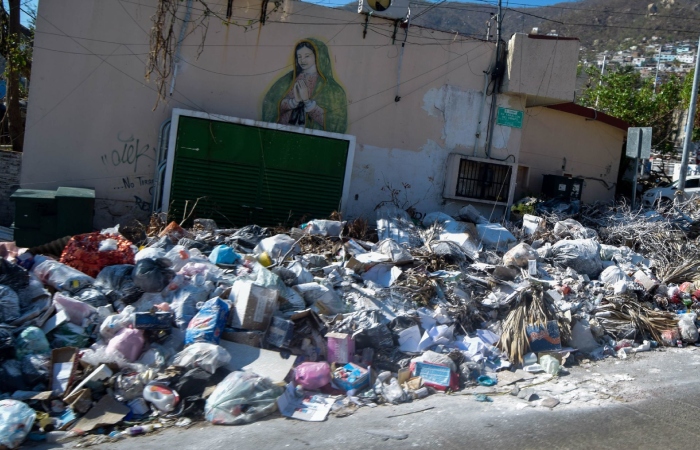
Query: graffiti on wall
pixel 308 96
pixel 129 153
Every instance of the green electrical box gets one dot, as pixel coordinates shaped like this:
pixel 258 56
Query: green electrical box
pixel 42 216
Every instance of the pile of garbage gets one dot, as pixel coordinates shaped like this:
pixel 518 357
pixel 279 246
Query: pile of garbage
pixel 118 336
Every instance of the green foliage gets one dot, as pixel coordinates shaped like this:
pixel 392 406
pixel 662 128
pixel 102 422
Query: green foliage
pixel 625 95
pixel 687 91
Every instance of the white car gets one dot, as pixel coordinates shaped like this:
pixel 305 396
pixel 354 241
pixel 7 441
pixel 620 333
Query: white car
pixel 662 196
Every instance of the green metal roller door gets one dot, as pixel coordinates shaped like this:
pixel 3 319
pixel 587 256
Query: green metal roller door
pixel 255 175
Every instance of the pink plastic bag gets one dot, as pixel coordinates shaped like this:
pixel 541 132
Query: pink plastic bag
pixel 75 309
pixel 129 342
pixel 312 375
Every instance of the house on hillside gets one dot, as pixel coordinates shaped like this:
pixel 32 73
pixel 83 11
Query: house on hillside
pixel 315 110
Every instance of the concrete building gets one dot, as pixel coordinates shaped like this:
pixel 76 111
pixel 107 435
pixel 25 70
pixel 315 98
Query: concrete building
pixel 688 58
pixel 414 111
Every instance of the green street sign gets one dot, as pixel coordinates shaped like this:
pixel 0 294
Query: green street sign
pixel 509 117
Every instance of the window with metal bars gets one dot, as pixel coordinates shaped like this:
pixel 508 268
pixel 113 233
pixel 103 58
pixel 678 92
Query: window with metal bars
pixel 484 181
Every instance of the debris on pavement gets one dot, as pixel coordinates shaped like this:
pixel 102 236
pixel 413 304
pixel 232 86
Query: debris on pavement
pixel 232 325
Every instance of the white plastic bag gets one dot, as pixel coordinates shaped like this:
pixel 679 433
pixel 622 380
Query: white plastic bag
pixel 278 246
pixel 686 324
pixel 242 397
pixel 203 355
pixel 62 277
pixel 16 421
pixel 519 255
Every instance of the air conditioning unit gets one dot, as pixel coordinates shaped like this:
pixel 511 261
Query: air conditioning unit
pixel 388 9
pixel 479 180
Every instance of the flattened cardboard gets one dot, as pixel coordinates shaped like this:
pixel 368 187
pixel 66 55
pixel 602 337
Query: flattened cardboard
pixel 106 412
pixel 265 363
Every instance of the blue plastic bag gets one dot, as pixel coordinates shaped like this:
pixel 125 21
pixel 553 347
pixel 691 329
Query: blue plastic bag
pixel 209 322
pixel 223 254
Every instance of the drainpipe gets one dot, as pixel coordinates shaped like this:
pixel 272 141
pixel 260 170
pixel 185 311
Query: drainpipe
pixel 481 112
pixel 178 49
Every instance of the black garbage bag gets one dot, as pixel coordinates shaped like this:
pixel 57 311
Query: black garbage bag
pixel 92 296
pixel 11 376
pixel 9 304
pixel 245 239
pixel 402 323
pixel 7 348
pixel 378 337
pixel 13 276
pixel 153 275
pixel 35 370
pixel 117 283
pixel 191 243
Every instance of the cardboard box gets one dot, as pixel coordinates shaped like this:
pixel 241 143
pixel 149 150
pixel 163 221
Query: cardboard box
pixel 254 306
pixel 64 363
pixel 356 377
pixel 252 338
pixel 433 375
pixel 341 348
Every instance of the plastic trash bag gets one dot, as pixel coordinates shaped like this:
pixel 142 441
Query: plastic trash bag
pixel 203 355
pixel 152 275
pixel 151 253
pixel 278 246
pixel 390 248
pixel 16 421
pixel 582 255
pixel 9 304
pixel 612 275
pixel 321 298
pixel 312 375
pixel 395 223
pixel 30 293
pixel 68 335
pixel 98 354
pixel 325 227
pixel 7 349
pixel 223 254
pixel 185 302
pixel 11 376
pixel 570 227
pixel 242 397
pixel 519 255
pixel 128 342
pixel 62 277
pixel 31 341
pixel 35 369
pixel 112 324
pixel 245 239
pixel 686 325
pixel 76 310
pixel 117 284
pixel 209 322
pixel 93 297
pixel 13 276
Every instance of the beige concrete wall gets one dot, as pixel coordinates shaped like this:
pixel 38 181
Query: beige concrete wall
pixel 558 143
pixel 542 69
pixel 91 124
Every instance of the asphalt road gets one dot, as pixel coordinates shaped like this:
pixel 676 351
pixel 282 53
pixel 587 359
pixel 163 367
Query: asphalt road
pixel 650 401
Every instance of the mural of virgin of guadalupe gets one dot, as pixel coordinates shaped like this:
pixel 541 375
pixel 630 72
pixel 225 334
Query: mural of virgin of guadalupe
pixel 308 96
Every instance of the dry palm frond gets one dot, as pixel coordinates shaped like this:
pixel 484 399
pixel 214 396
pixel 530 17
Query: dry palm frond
pixel 620 313
pixel 531 309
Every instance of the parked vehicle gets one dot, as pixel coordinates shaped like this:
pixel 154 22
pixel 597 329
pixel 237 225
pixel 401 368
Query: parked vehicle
pixel 662 196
